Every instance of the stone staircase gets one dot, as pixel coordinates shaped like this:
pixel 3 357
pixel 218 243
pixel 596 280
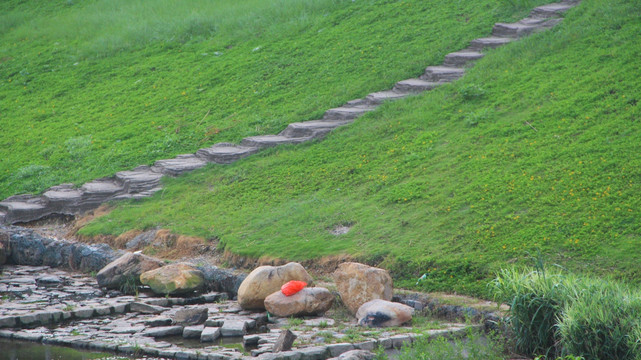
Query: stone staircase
pixel 144 181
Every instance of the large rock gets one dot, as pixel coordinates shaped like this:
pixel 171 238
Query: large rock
pixel 358 284
pixel 381 313
pixel 174 279
pixel 126 268
pixel 309 301
pixel 266 280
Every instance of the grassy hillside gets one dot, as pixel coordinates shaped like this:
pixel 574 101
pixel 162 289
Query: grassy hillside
pixel 89 88
pixel 537 147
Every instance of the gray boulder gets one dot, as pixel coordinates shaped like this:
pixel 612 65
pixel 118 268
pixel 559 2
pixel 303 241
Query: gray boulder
pixel 381 313
pixel 126 269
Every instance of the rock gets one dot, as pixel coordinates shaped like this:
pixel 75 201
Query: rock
pixel 285 341
pixel 49 281
pixel 356 355
pixel 233 328
pixel 191 316
pixel 223 280
pixel 126 268
pixel 141 240
pixel 358 284
pixel 381 313
pixel 146 308
pixel 210 334
pixel 308 301
pixel 174 279
pixel 266 280
pixel 4 247
pixel 158 321
pixel 193 332
pixel 163 331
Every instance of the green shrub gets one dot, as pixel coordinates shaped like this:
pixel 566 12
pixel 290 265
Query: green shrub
pixel 603 323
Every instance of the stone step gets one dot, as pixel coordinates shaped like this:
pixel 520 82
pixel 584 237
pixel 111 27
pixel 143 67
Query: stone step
pixel 314 128
pixel 3 217
pixel 514 30
pixel 551 10
pixel 179 165
pixel 380 97
pixel 415 85
pixel 461 58
pixel 488 43
pixel 24 208
pixel 442 73
pixel 225 153
pixel 139 179
pixel 264 141
pixel 347 113
pixel 98 191
pixel 64 199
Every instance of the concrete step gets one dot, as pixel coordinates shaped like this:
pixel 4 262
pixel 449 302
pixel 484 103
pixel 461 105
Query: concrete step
pixel 100 190
pixel 225 153
pixel 415 85
pixel 380 97
pixel 264 141
pixel 551 10
pixel 64 199
pixel 461 58
pixel 179 164
pixel 489 43
pixel 314 128
pixel 347 113
pixel 24 208
pixel 442 73
pixel 139 179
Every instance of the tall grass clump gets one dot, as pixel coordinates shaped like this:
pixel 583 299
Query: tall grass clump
pixel 536 300
pixel 604 322
pixel 557 314
pixel 475 346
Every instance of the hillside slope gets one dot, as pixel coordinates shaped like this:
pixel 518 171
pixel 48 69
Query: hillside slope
pixel 536 148
pixel 94 87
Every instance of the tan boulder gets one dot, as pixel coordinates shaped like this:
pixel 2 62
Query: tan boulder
pixel 309 301
pixel 174 279
pixel 126 270
pixel 381 313
pixel 359 283
pixel 266 280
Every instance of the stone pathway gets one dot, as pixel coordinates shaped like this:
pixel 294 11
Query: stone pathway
pixel 144 181
pixel 54 307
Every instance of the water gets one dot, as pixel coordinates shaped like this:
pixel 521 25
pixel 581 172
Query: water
pixel 19 350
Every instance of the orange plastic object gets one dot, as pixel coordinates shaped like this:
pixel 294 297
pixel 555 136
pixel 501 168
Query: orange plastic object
pixel 292 287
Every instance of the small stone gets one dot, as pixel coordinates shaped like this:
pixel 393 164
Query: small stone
pixel 49 281
pixel 357 355
pixel 158 321
pixel 146 308
pixel 210 334
pixel 233 328
pixel 127 330
pixel 192 332
pixel 314 353
pixel 163 331
pixel 337 349
pixel 191 316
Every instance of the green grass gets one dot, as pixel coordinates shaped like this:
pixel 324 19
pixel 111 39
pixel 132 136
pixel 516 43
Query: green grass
pixel 95 87
pixel 535 148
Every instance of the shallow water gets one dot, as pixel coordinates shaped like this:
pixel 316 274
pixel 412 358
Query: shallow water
pixel 19 350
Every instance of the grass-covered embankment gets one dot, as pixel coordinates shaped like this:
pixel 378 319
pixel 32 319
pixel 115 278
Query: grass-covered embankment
pixel 535 148
pixel 94 87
